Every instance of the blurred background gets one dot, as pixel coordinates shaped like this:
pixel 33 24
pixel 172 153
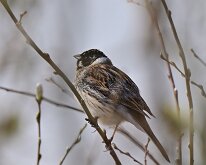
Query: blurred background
pixel 124 32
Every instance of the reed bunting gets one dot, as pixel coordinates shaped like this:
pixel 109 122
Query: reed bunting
pixel 111 95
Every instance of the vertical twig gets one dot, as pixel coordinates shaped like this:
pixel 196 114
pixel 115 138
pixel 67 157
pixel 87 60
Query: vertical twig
pixel 39 96
pixel 58 71
pixel 170 76
pixel 25 93
pixel 187 82
pixel 146 151
pixel 38 119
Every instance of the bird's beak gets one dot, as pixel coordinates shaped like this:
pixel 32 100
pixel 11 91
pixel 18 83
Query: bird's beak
pixel 78 56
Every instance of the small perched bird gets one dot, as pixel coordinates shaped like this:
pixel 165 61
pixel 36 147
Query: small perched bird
pixel 110 94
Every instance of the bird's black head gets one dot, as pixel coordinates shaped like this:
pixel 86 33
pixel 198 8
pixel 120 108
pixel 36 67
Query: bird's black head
pixel 91 57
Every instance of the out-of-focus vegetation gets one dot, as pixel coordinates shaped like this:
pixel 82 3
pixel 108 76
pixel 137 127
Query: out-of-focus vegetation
pixel 124 32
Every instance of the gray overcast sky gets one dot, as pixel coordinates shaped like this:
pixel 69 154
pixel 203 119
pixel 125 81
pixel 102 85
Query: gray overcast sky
pixel 124 33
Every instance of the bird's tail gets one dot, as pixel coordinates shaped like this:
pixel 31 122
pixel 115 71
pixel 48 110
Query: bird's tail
pixel 140 121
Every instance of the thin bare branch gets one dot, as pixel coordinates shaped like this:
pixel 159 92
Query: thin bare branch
pixel 146 151
pixel 39 96
pixel 165 55
pixel 77 140
pixel 59 72
pixel 137 143
pixel 25 93
pixel 21 16
pixel 126 153
pixel 136 2
pixel 198 57
pixel 187 80
pixel 173 64
pixel 51 80
pixel 201 88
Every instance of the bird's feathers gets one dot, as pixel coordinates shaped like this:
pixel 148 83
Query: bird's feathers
pixel 139 121
pixel 111 95
pixel 110 83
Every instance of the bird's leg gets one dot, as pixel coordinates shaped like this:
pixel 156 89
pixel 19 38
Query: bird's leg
pixel 115 129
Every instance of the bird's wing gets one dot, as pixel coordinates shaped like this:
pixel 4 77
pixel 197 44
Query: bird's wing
pixel 110 85
pixel 115 87
pixel 130 96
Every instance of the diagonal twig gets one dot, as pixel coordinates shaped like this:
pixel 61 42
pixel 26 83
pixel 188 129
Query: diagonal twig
pixel 21 16
pixel 137 143
pixel 126 153
pixel 51 80
pixel 173 64
pixel 164 54
pixel 58 71
pixel 197 57
pixel 77 140
pixel 201 88
pixel 187 81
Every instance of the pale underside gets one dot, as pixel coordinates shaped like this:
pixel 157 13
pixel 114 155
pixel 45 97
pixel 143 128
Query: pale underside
pixel 107 114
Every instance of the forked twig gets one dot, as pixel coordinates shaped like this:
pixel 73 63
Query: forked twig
pixel 21 16
pixel 201 88
pixel 164 54
pixel 146 151
pixel 59 72
pixel 137 143
pixel 25 93
pixel 126 153
pixel 187 80
pixel 173 64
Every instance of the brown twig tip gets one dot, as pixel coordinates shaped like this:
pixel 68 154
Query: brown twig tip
pixel 21 17
pixel 200 87
pixel 198 57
